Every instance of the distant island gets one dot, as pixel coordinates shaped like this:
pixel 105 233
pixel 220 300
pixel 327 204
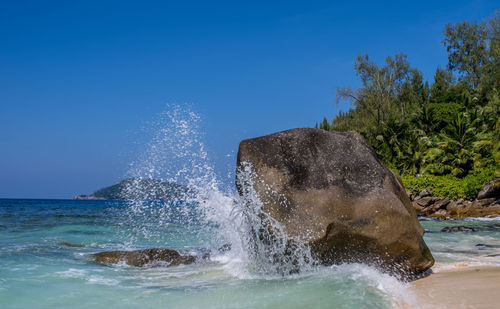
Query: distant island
pixel 138 189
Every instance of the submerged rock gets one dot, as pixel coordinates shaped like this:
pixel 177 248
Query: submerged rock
pixel 330 190
pixel 156 256
pixel 458 229
pixel 69 244
pixel 486 246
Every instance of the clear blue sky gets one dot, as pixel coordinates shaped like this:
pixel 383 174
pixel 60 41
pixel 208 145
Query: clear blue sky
pixel 79 79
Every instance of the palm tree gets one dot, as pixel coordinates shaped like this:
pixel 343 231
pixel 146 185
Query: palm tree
pixel 425 120
pixel 414 148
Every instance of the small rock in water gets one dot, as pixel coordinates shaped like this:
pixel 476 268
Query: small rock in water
pixel 482 246
pixel 457 229
pixel 69 244
pixel 225 248
pixel 145 257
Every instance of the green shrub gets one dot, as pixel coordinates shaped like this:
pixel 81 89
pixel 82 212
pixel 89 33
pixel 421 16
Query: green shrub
pixel 450 186
pixel 445 113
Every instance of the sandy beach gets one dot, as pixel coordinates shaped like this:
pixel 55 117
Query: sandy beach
pixel 460 286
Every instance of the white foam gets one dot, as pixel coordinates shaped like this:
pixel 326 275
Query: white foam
pixel 176 154
pixel 438 267
pixel 481 219
pixel 102 281
pixel 72 273
pixel 399 292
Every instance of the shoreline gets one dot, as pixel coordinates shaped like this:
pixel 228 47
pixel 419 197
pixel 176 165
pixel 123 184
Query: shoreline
pixel 459 285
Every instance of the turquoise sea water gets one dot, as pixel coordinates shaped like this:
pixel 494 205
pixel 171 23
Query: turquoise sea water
pixel 36 271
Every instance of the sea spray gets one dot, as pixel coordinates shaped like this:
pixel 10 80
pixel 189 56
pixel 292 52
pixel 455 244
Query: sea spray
pixel 32 261
pixel 176 154
pixel 253 274
pixel 211 217
pixel 269 248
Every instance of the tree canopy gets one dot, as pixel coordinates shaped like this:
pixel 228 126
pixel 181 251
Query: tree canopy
pixel 448 126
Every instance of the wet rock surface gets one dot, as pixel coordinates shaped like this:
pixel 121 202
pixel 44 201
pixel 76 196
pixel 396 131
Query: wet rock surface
pixel 147 257
pixel 330 190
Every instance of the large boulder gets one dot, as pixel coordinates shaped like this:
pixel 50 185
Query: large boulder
pixel 328 189
pixel 490 190
pixel 151 257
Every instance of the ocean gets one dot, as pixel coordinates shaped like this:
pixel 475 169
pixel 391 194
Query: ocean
pixel 37 270
pixel 47 246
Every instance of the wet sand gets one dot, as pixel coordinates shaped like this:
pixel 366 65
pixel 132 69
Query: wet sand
pixel 460 286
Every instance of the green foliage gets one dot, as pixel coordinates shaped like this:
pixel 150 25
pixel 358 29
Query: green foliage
pixel 324 125
pixel 391 89
pixel 491 80
pixel 450 186
pixel 443 79
pixel 445 113
pixel 467 47
pixel 450 128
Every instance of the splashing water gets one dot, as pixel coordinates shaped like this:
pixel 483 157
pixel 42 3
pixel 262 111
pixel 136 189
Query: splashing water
pixel 258 266
pixel 210 218
pixel 177 155
pixel 270 249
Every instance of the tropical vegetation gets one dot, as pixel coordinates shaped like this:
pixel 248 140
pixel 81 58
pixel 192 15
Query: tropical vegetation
pixel 449 128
